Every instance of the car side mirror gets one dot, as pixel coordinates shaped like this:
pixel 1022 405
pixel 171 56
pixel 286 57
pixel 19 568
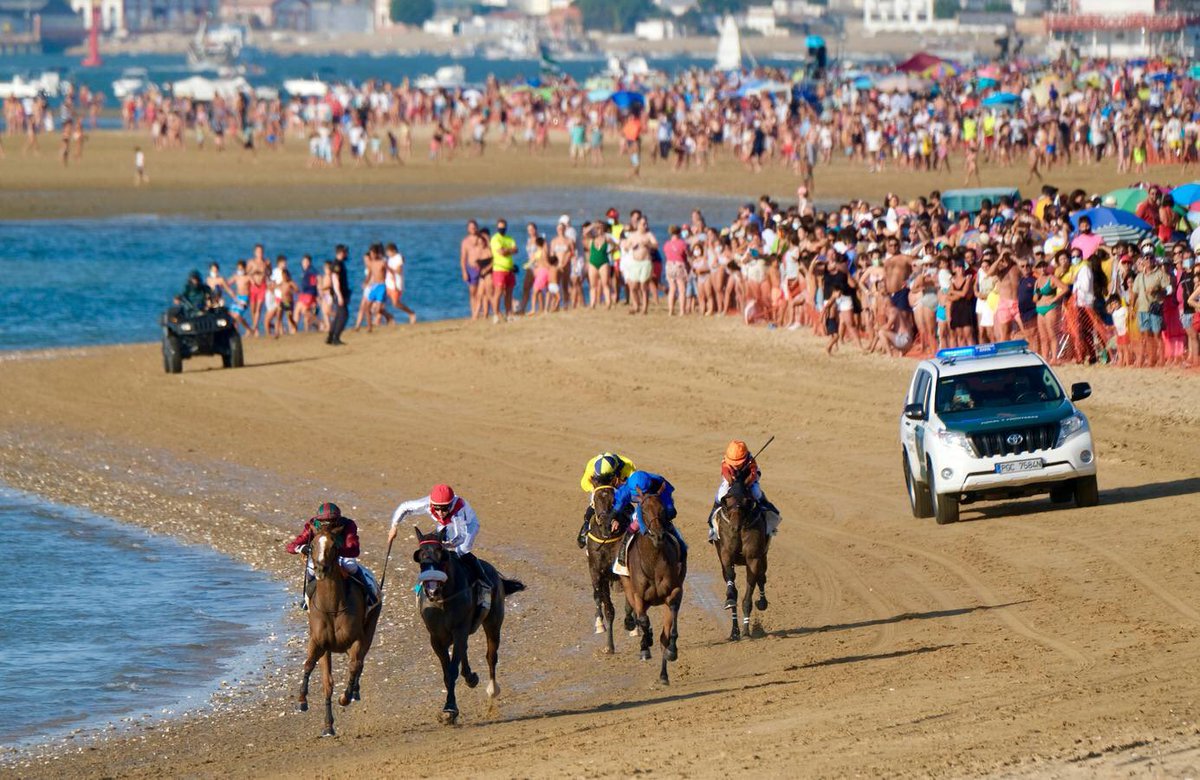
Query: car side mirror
pixel 915 411
pixel 1080 391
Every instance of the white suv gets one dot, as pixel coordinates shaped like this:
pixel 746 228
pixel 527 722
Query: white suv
pixel 993 422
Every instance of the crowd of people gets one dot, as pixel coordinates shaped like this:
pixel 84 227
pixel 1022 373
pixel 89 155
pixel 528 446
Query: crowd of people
pixel 890 278
pixel 1040 115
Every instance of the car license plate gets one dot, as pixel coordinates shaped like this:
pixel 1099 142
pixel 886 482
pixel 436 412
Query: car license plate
pixel 1017 466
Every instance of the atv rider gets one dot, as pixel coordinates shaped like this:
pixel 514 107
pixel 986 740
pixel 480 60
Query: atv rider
pixel 629 495
pixel 607 470
pixel 347 550
pixel 739 465
pixel 196 294
pixel 458 527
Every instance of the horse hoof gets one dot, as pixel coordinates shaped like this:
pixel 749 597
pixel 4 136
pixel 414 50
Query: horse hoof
pixel 664 680
pixel 760 605
pixel 448 717
pixel 630 623
pixel 304 706
pixel 633 632
pixel 608 650
pixel 356 696
pixel 672 654
pixel 493 689
pixel 328 732
pixel 645 655
pixel 735 636
pixel 599 626
pixel 471 679
pixel 730 603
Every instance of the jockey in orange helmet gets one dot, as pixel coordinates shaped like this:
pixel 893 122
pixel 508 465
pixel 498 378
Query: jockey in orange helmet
pixel 739 465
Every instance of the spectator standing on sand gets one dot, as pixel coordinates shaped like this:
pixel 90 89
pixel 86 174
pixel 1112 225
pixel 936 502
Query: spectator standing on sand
pixel 341 296
pixel 139 167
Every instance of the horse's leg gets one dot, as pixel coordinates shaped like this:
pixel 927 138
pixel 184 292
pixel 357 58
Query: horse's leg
pixel 731 595
pixel 630 619
pixel 460 655
pixel 354 667
pixel 761 604
pixel 327 678
pixel 647 633
pixel 664 639
pixel 491 628
pixel 309 662
pixel 599 583
pixel 673 644
pixel 449 673
pixel 610 614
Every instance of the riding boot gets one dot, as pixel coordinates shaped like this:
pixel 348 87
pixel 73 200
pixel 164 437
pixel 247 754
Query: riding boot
pixel 479 577
pixel 773 517
pixel 310 587
pixel 583 530
pixel 623 548
pixel 683 548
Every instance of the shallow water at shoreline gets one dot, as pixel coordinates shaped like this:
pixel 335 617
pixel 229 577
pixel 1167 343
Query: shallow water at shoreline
pixel 108 622
pixel 85 282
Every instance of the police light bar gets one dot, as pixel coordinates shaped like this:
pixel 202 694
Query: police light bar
pixel 983 351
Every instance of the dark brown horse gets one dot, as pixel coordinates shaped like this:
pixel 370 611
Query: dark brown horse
pixel 602 544
pixel 447 604
pixel 656 575
pixel 338 622
pixel 742 541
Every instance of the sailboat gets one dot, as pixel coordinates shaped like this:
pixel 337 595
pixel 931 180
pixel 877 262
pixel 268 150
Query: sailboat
pixel 729 46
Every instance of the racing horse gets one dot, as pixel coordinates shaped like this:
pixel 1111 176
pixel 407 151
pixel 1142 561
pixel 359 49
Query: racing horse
pixel 338 621
pixel 602 552
pixel 742 541
pixel 447 604
pixel 656 575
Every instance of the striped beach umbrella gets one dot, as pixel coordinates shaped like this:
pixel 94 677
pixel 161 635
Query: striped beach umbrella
pixel 1113 225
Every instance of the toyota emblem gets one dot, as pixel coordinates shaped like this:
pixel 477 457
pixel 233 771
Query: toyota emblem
pixel 1014 439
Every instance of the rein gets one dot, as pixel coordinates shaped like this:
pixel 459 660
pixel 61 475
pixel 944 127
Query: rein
pixel 592 502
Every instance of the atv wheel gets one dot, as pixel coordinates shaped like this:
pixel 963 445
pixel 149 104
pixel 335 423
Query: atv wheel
pixel 172 354
pixel 232 358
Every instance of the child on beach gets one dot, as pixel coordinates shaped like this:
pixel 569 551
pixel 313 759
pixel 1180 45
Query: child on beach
pixel 542 270
pixel 1120 320
pixel 139 165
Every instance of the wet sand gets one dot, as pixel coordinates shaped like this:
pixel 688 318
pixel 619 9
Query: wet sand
pixel 278 184
pixel 1028 640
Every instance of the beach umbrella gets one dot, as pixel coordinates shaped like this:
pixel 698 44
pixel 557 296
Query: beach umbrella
pixel 626 99
pixel 1001 99
pixel 1113 225
pixel 902 82
pixel 942 70
pixel 863 83
pixel 990 72
pixel 919 63
pixel 599 95
pixel 1126 198
pixel 987 82
pixel 1186 194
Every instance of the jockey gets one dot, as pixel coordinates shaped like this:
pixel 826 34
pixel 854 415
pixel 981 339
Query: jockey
pixel 457 524
pixel 629 496
pixel 739 466
pixel 608 469
pixel 347 550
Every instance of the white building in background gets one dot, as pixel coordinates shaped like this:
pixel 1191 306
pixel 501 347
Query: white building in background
pixel 112 14
pixel 675 7
pixel 903 16
pixel 654 30
pixel 762 20
pixel 1127 28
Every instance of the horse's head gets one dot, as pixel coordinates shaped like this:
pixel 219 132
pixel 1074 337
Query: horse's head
pixel 738 505
pixel 603 497
pixel 323 550
pixel 433 562
pixel 654 518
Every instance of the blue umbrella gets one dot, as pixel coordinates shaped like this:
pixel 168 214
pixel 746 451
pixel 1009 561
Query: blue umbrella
pixel 1001 99
pixel 1113 225
pixel 863 83
pixel 814 41
pixel 599 95
pixel 1186 194
pixel 626 100
pixel 987 82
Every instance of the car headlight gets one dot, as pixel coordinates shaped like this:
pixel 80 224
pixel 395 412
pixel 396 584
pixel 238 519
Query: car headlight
pixel 222 322
pixel 186 326
pixel 1071 427
pixel 956 439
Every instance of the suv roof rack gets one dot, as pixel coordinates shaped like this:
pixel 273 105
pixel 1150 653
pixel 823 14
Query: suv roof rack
pixel 955 354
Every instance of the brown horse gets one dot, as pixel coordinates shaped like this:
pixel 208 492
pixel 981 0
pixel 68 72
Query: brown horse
pixel 656 575
pixel 742 541
pixel 602 552
pixel 338 622
pixel 447 604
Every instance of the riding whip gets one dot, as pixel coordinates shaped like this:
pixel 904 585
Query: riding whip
pixel 383 576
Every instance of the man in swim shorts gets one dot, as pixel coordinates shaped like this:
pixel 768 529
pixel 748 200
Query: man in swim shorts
pixel 239 288
pixel 1008 310
pixel 376 286
pixel 467 265
pixel 504 277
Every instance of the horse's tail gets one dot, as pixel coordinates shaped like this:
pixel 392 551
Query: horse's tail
pixel 512 586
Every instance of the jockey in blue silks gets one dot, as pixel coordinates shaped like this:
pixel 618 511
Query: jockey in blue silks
pixel 643 483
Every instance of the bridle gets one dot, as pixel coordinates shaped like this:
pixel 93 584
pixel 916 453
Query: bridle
pixel 313 563
pixel 595 513
pixel 430 566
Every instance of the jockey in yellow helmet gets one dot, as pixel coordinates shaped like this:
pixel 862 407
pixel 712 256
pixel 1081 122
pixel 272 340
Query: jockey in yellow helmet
pixel 605 470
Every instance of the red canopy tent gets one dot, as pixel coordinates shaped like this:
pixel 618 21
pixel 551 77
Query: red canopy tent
pixel 919 63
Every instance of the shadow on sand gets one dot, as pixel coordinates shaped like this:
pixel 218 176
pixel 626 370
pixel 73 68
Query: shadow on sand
pixel 901 618
pixel 1133 494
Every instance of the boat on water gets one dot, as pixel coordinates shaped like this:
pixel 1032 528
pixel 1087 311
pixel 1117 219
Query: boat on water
pixel 445 77
pixel 729 46
pixel 305 88
pixel 216 48
pixel 48 83
pixel 131 82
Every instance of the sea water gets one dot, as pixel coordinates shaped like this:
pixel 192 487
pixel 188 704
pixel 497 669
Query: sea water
pixel 104 620
pixel 103 281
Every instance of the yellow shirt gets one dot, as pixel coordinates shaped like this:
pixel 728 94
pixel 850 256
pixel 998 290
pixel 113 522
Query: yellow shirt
pixel 501 261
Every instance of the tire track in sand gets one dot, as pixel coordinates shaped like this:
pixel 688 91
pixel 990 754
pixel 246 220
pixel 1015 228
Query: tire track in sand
pixel 977 585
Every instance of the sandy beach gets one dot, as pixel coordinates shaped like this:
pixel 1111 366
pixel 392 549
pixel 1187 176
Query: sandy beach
pixel 1029 641
pixel 279 185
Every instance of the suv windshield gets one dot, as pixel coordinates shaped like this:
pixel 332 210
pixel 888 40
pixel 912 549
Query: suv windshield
pixel 1002 388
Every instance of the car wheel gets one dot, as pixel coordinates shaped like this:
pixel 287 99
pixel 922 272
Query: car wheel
pixel 918 494
pixel 232 357
pixel 1087 491
pixel 172 354
pixel 945 507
